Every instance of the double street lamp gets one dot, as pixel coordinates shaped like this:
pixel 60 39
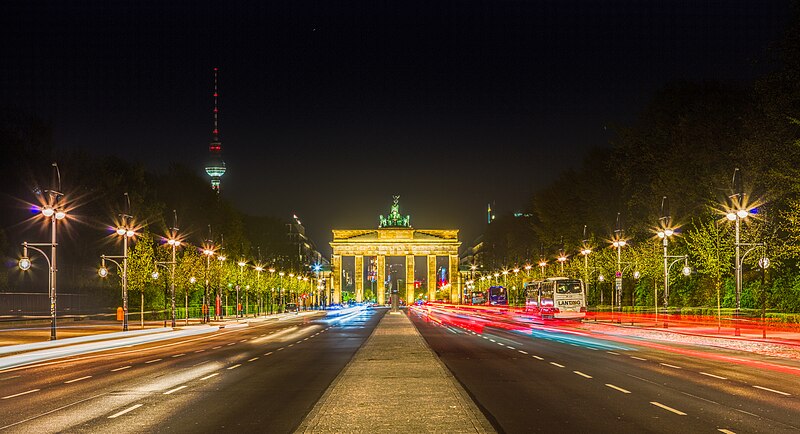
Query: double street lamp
pixel 665 232
pixel 53 210
pixel 126 232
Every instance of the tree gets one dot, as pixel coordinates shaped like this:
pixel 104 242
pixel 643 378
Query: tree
pixel 710 246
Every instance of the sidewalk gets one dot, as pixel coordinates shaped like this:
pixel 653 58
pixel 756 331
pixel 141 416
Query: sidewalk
pixel 395 384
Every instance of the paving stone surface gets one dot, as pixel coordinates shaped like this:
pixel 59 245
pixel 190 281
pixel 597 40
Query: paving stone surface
pixel 395 384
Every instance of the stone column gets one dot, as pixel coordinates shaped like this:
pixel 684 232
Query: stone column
pixel 409 279
pixel 337 279
pixel 431 277
pixel 381 280
pixel 359 278
pixel 455 279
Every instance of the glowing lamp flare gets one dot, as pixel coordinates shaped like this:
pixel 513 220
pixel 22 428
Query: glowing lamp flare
pixel 687 270
pixel 102 272
pixel 25 263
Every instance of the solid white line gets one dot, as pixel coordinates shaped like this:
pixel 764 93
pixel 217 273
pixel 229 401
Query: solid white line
pixel 658 404
pixel 611 352
pixel 19 394
pixel 618 388
pixel 523 352
pixel 125 411
pixel 253 359
pixel 670 366
pixel 77 379
pixel 582 374
pixel 712 375
pixel 637 358
pixel 168 392
pixel 235 366
pixel 726 431
pixel 537 358
pixel 556 364
pixel 153 361
pixel 120 369
pixel 773 390
pixel 209 376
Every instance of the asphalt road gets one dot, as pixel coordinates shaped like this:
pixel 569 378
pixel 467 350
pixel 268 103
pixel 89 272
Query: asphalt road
pixel 261 378
pixel 541 379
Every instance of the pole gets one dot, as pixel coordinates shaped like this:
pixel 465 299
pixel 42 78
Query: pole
pixel 666 284
pixel 738 281
pixel 172 285
pixel 53 278
pixel 124 280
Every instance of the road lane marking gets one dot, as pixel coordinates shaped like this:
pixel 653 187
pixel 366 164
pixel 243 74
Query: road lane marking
pixel 582 374
pixel 279 349
pixel 773 390
pixel 243 340
pixel 169 392
pixel 523 352
pixel 556 364
pixel 235 366
pixel 253 359
pixel 125 411
pixel 9 378
pixel 501 344
pixel 232 343
pixel 726 431
pixel 611 352
pixel 290 345
pixel 77 379
pixel 668 408
pixel 20 394
pixel 266 354
pixel 537 358
pixel 179 355
pixel 618 388
pixel 638 358
pixel 492 340
pixel 120 369
pixel 51 411
pixel 199 351
pixel 712 375
pixel 670 366
pixel 510 347
pixel 217 347
pixel 210 375
pixel 153 361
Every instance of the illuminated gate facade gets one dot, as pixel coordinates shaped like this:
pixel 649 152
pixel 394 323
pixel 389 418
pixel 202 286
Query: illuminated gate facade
pixel 395 237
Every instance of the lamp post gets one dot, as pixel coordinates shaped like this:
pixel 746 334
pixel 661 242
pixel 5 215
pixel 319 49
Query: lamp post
pixel 272 296
pixel 208 252
pixel 174 243
pixel 192 281
pixel 126 232
pixel 241 265
pixel 665 232
pixel 280 289
pixel 259 269
pixel 53 210
pixel 618 243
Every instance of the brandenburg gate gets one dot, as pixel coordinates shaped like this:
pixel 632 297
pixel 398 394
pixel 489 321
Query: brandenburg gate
pixel 395 237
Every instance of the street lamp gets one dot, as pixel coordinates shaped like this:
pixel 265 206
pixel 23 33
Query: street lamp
pixel 241 265
pixel 665 232
pixel 618 242
pixel 173 242
pixel 126 232
pixel 192 281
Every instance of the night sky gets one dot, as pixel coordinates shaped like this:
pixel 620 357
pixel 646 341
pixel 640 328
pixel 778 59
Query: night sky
pixel 328 108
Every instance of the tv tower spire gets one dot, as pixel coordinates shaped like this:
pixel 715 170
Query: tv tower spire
pixel 215 167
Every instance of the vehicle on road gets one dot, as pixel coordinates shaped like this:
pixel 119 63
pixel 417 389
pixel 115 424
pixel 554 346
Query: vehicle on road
pixel 556 298
pixel 498 296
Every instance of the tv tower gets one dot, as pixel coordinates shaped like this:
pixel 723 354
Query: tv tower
pixel 215 167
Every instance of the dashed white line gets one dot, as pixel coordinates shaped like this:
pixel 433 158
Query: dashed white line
pixel 266 354
pixel 670 366
pixel 638 358
pixel 253 359
pixel 537 358
pixel 199 351
pixel 501 344
pixel 217 347
pixel 611 352
pixel 290 345
pixel 235 366
pixel 665 407
pixel 169 392
pixel 712 375
pixel 523 352
pixel 125 411
pixel 243 340
pixel 556 364
pixel 279 349
pixel 20 394
pixel 582 374
pixel 120 369
pixel 78 379
pixel 210 375
pixel 618 388
pixel 179 355
pixel 232 343
pixel 773 390
pixel 153 361
pixel 492 340
pixel 725 431
pixel 510 347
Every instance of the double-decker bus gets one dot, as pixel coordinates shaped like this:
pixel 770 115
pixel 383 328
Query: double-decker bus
pixel 556 298
pixel 498 295
pixel 477 297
